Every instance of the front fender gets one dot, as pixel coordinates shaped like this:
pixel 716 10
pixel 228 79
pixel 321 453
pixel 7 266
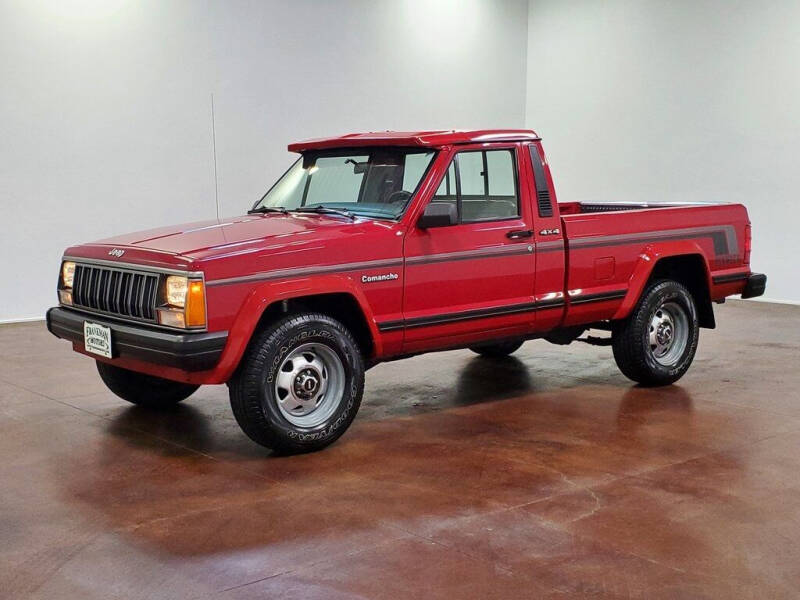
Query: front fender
pixel 647 262
pixel 266 294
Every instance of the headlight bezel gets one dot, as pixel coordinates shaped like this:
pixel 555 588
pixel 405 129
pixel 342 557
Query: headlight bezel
pixel 184 303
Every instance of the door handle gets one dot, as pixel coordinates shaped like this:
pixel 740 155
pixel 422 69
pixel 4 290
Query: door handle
pixel 519 234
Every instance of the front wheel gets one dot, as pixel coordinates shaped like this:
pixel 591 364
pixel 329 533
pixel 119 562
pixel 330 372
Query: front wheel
pixel 656 344
pixel 144 390
pixel 299 385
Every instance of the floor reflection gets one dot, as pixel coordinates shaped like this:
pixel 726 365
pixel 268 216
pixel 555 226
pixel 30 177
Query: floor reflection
pixel 561 470
pixel 638 405
pixel 188 481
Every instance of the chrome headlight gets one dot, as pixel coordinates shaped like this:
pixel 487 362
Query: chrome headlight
pixel 185 302
pixel 65 283
pixel 176 288
pixel 67 273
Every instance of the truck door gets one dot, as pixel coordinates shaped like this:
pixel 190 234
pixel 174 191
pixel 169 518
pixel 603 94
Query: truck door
pixel 475 279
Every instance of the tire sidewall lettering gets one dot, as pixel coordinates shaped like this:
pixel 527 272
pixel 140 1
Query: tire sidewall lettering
pixel 342 415
pixel 655 301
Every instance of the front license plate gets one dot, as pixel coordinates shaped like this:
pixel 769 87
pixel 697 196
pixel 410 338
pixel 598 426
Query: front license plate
pixel 97 339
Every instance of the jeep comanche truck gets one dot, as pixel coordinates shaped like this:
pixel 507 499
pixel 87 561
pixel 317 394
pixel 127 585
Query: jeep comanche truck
pixel 378 246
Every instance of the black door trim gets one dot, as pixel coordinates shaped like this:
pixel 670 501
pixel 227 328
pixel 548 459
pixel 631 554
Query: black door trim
pixel 483 313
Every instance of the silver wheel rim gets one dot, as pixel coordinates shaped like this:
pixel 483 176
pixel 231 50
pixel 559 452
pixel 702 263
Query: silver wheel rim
pixel 668 334
pixel 309 385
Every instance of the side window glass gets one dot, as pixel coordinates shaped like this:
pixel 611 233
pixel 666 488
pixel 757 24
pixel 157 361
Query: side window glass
pixel 470 167
pixel 488 185
pixel 501 171
pixel 447 189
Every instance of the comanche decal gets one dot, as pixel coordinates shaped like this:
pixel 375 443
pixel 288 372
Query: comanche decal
pixel 382 277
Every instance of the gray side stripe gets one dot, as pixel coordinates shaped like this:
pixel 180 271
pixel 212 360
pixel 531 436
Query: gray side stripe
pixel 723 237
pixel 505 250
pixel 551 246
pixel 305 271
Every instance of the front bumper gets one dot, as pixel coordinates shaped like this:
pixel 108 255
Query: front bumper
pixel 755 286
pixel 185 351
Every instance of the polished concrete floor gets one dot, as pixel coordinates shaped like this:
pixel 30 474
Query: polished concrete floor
pixel 544 475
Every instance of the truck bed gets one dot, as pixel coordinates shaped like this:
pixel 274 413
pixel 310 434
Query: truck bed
pixel 606 243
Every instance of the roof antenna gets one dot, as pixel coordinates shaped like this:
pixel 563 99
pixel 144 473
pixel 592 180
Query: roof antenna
pixel 214 152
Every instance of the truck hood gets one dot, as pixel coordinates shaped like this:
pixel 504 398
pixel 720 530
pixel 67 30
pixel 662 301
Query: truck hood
pixel 204 239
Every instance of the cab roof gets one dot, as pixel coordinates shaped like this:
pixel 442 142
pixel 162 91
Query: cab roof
pixel 427 139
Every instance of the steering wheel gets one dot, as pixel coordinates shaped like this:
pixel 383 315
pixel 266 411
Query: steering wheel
pixel 398 197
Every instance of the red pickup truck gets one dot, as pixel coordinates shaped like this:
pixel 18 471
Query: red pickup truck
pixel 379 246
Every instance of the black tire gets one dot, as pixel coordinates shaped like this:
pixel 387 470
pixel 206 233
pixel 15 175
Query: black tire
pixel 666 306
pixel 144 390
pixel 497 350
pixel 255 396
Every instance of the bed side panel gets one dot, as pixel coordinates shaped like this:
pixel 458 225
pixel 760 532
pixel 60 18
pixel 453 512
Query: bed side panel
pixel 604 249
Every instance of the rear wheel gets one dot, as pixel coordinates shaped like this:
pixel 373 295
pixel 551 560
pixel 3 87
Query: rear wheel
pixel 497 350
pixel 299 385
pixel 656 344
pixel 142 389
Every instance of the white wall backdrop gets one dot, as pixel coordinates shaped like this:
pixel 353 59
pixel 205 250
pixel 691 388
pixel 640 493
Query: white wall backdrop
pixel 105 123
pixel 655 100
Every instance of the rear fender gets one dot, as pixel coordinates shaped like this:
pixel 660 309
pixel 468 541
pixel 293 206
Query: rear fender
pixel 268 293
pixel 647 262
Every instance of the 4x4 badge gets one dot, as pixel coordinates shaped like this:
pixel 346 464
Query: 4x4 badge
pixel 116 252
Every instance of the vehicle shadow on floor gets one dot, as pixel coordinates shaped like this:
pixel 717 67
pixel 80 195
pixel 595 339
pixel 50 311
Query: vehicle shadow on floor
pixel 209 427
pixel 479 381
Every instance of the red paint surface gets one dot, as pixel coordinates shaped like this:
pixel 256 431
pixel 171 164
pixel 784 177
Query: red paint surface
pixel 262 244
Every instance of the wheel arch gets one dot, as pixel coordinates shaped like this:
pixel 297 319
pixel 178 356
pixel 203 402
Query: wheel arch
pixel 684 262
pixel 342 306
pixel 334 295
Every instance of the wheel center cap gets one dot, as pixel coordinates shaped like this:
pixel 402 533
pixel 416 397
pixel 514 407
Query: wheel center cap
pixel 664 334
pixel 306 384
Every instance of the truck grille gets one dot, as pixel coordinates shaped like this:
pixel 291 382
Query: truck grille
pixel 116 291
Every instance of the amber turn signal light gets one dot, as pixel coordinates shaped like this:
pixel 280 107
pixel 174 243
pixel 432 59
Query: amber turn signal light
pixel 195 305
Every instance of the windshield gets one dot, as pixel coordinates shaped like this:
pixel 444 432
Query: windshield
pixel 373 182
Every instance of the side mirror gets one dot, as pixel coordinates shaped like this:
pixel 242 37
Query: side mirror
pixel 438 214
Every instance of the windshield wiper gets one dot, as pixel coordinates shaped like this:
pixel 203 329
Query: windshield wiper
pixel 267 209
pixel 322 210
